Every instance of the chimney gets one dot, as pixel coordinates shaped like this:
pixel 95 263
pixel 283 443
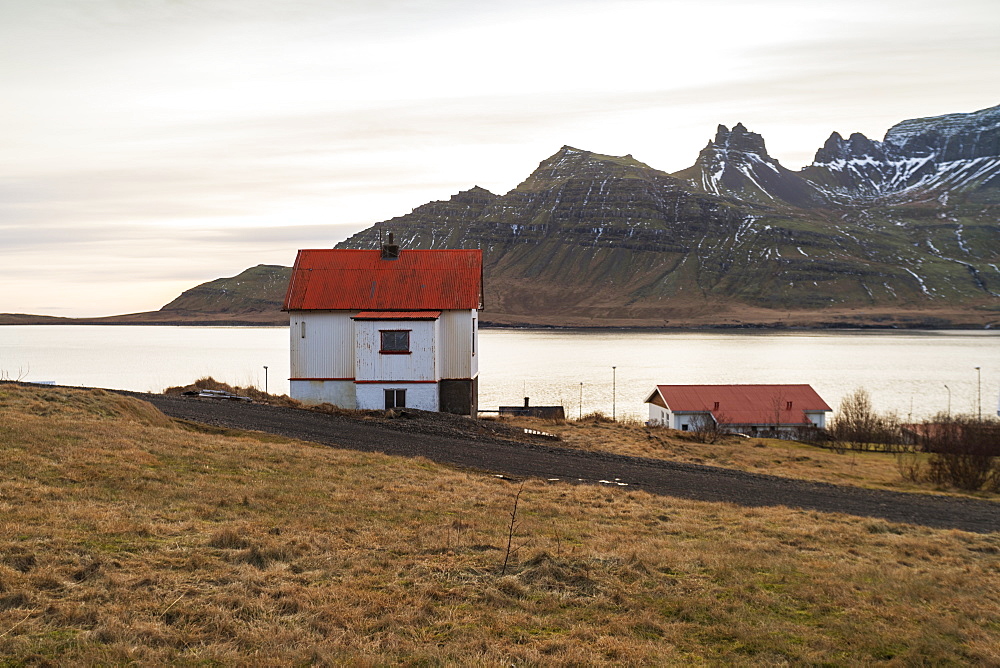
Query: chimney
pixel 788 406
pixel 390 251
pixel 526 402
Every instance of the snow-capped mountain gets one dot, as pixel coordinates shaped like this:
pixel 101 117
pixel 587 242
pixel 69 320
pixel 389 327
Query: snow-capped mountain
pixel 903 232
pixel 918 158
pixel 736 164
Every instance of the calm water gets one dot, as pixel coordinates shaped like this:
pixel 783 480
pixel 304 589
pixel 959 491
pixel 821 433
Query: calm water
pixel 903 371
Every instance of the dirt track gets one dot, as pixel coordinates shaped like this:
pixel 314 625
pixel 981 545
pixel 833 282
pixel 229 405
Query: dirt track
pixel 489 447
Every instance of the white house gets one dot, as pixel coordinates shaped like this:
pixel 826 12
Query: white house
pixel 749 409
pixel 386 328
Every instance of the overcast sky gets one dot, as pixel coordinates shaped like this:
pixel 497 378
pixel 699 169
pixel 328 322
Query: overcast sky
pixel 151 145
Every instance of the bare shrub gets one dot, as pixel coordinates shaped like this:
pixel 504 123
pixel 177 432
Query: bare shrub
pixel 858 427
pixel 812 435
pixel 511 528
pixel 707 428
pixel 854 425
pixel 910 466
pixel 596 417
pixel 963 451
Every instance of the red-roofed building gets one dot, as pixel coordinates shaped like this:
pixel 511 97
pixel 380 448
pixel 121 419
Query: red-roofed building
pixel 781 410
pixel 386 328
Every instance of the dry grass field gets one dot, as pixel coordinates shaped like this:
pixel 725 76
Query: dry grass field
pixel 128 538
pixel 790 459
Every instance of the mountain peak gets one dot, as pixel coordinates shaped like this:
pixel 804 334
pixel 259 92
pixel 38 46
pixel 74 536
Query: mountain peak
pixel 739 139
pixel 473 192
pixel 736 164
pixel 594 238
pixel 936 154
pixel 855 147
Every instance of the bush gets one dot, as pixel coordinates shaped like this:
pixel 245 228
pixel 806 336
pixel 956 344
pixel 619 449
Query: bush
pixel 963 451
pixel 708 429
pixel 597 417
pixel 858 427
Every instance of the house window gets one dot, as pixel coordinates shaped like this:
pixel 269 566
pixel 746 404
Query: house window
pixel 395 341
pixel 395 399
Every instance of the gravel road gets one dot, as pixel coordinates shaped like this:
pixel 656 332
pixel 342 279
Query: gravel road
pixel 497 448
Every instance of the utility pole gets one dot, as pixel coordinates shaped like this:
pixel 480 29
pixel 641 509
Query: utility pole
pixel 949 399
pixel 265 379
pixel 581 401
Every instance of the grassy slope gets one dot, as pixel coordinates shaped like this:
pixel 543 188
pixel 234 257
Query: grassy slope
pixel 789 459
pixel 126 537
pixel 257 289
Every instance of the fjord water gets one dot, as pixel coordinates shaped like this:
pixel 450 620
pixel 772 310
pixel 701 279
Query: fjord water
pixel 906 372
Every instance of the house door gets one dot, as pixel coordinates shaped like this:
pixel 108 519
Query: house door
pixel 395 399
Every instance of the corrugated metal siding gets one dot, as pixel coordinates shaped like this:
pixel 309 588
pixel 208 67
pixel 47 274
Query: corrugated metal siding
pixel 335 279
pixel 455 350
pixel 419 365
pixel 327 351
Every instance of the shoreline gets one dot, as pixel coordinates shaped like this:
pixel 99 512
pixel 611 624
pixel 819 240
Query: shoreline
pixel 531 327
pixel 902 320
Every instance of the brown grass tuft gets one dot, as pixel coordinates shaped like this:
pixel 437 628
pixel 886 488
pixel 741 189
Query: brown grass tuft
pixel 258 395
pixel 228 538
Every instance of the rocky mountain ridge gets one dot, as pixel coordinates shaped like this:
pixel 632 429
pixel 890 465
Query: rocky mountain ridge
pixel 917 157
pixel 902 232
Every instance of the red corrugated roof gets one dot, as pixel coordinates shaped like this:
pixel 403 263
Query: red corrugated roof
pixel 397 315
pixel 745 404
pixel 336 279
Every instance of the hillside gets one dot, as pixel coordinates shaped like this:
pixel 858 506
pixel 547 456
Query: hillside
pixel 260 289
pixel 903 232
pixel 135 539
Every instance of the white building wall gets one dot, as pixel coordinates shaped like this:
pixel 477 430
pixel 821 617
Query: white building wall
pixel 322 345
pixel 458 345
pixel 818 418
pixel 684 421
pixel 659 415
pixel 423 396
pixel 337 392
pixel 329 351
pixel 667 418
pixel 372 365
